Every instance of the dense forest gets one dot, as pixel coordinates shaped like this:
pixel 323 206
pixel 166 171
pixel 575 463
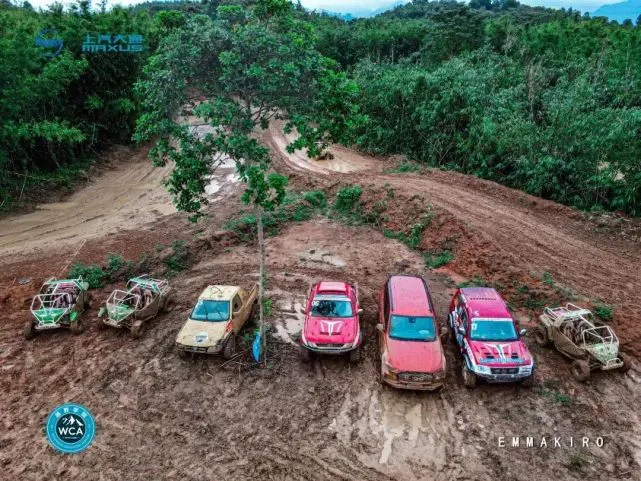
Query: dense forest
pixel 547 101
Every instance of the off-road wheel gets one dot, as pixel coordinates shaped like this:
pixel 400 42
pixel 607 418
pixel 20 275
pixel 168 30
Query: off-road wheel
pixel 137 329
pixel 627 362
pixel 182 354
pixel 255 313
pixel 354 355
pixel 541 336
pixel 230 347
pixel 101 325
pixel 580 369
pixel 469 378
pixel 304 354
pixel 29 331
pixel 76 327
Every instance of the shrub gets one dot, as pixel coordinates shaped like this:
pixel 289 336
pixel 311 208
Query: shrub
pixel 177 261
pixel 92 274
pixel 434 260
pixel 347 198
pixel 604 311
pixel 316 198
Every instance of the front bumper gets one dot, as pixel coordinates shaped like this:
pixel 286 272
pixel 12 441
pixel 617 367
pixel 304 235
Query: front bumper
pixel 330 348
pixel 46 327
pixel 414 385
pixel 200 349
pixel 505 377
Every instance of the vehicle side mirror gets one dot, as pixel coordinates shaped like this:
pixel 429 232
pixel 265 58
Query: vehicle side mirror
pixel 461 330
pixel 360 311
pixel 523 332
pixel 380 327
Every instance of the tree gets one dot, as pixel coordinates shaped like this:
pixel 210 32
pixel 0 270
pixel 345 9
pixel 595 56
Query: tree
pixel 252 65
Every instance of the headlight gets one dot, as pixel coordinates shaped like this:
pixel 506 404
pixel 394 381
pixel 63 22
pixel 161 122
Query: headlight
pixel 483 369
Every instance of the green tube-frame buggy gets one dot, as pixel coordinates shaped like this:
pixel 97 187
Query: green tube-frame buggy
pixel 143 299
pixel 59 304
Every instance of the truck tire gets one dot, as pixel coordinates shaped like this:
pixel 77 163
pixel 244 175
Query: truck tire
pixel 541 336
pixel 230 347
pixel 76 327
pixel 354 355
pixel 137 329
pixel 469 378
pixel 29 331
pixel 580 370
pixel 101 325
pixel 304 354
pixel 627 362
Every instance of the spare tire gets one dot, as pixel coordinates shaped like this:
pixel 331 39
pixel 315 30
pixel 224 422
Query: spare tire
pixel 580 370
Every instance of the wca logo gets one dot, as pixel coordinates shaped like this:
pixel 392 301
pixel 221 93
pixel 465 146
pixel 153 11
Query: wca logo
pixel 70 428
pixel 48 40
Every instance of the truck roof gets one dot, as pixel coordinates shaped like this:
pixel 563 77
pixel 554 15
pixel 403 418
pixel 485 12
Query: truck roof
pixel 220 293
pixel 409 296
pixel 331 287
pixel 485 302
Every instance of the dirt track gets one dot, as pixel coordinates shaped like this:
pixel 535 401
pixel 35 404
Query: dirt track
pixel 160 417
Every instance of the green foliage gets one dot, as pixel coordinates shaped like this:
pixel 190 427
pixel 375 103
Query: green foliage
pixel 56 112
pixel 603 311
pixel 347 199
pixel 434 260
pixel 268 306
pixel 92 274
pixel 316 198
pixel 412 238
pixel 405 168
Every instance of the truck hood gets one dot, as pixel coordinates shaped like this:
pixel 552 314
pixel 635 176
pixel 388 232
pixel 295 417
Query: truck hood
pixel 415 356
pixel 501 353
pixel 201 333
pixel 322 330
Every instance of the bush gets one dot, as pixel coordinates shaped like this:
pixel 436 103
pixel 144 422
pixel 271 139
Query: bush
pixel 347 198
pixel 177 261
pixel 316 198
pixel 92 274
pixel 434 260
pixel 604 311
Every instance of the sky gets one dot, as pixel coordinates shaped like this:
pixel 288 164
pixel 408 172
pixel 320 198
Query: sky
pixel 344 6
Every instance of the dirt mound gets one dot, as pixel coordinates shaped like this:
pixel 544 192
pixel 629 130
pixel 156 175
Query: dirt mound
pixel 125 197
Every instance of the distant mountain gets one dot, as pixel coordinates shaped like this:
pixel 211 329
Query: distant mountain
pixel 620 11
pixel 350 13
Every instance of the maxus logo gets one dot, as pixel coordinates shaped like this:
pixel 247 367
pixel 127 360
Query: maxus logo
pixel 70 428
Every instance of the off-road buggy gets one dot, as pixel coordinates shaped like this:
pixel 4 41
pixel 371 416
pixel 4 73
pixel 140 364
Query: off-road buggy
pixel 576 333
pixel 143 299
pixel 58 304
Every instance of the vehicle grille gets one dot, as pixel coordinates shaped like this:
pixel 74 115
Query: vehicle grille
pixel 195 349
pixel 329 346
pixel 505 370
pixel 415 376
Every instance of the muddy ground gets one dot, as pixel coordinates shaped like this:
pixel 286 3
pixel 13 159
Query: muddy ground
pixel 162 417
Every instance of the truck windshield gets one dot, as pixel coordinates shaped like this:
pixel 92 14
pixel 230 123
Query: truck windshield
pixel 331 307
pixel 493 330
pixel 406 328
pixel 213 311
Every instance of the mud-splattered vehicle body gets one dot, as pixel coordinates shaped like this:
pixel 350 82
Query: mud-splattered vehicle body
pixel 58 304
pixel 488 338
pixel 410 348
pixel 577 334
pixel 215 321
pixel 332 324
pixel 143 299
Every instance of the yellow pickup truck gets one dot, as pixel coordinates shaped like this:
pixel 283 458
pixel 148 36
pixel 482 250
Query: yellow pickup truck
pixel 216 319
